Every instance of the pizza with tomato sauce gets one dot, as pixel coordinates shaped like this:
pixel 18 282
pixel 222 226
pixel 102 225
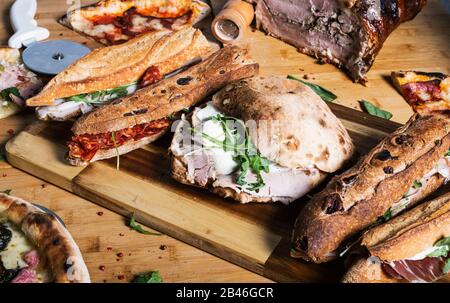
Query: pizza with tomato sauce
pixel 116 21
pixel 424 92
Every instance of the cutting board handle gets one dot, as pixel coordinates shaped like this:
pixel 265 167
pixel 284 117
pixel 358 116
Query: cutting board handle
pixel 25 27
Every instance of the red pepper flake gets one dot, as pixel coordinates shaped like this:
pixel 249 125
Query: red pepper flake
pixel 117 259
pixel 102 267
pixel 4 175
pixel 10 131
pixel 100 213
pixel 121 277
pixel 306 77
pixel 121 234
pixel 163 247
pixel 43 185
pixel 109 248
pixel 120 254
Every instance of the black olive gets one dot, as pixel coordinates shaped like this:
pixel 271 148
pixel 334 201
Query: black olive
pixel 383 155
pixel 5 237
pixel 6 275
pixel 333 203
pixel 184 81
pixel 388 170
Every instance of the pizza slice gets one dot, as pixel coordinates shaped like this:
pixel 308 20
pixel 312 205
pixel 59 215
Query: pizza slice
pixel 116 21
pixel 424 92
pixel 17 83
pixel 35 247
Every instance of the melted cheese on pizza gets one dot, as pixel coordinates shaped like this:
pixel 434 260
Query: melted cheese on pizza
pixel 12 255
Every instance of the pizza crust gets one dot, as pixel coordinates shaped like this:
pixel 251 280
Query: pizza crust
pixel 51 238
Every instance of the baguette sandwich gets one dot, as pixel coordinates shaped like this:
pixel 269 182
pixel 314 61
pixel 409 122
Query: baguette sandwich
pixel 262 139
pixel 400 171
pixel 133 121
pixel 413 247
pixel 116 71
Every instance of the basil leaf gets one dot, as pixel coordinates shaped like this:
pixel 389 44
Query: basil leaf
pixel 6 93
pixel 323 93
pixel 442 242
pixel 152 277
pixel 441 251
pixel 417 184
pixel 113 137
pixel 446 268
pixel 374 110
pixel 6 191
pixel 139 228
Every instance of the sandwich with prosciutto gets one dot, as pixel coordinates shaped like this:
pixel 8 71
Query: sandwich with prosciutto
pixel 132 121
pixel 413 247
pixel 399 172
pixel 262 139
pixel 112 72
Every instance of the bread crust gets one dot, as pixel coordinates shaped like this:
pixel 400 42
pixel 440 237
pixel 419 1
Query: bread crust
pixel 365 271
pixel 117 65
pixel 170 95
pixel 52 239
pixel 355 199
pixel 412 232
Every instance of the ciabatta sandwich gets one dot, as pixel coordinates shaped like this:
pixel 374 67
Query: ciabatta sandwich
pixel 413 247
pixel 116 71
pixel 262 139
pixel 400 171
pixel 133 121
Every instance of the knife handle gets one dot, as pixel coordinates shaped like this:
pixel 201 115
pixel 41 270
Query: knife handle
pixel 25 27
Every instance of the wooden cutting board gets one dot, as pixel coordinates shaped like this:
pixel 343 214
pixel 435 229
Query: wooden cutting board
pixel 255 236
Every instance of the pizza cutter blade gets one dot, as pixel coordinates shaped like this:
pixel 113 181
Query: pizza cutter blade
pixel 53 56
pixel 49 57
pixel 48 211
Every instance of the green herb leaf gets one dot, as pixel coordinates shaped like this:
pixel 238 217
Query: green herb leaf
pixel 441 251
pixel 447 154
pixel 446 268
pixel 6 191
pixel 2 68
pixel 139 228
pixel 417 184
pixel 113 137
pixel 103 95
pixel 7 92
pixel 374 110
pixel 152 277
pixel 444 241
pixel 323 93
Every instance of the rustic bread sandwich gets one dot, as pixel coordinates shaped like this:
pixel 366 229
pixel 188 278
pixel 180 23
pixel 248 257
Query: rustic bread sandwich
pixel 262 139
pixel 17 83
pixel 133 121
pixel 35 247
pixel 116 71
pixel 400 171
pixel 117 21
pixel 413 247
pixel 346 33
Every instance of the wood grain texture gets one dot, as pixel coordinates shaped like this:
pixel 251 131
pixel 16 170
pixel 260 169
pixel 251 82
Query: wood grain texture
pixel 421 44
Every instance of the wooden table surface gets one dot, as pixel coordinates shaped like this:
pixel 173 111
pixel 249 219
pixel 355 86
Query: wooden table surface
pixel 102 234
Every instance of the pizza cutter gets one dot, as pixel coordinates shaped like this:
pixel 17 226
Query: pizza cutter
pixel 45 57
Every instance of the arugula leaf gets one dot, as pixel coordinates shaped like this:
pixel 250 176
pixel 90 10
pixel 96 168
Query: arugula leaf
pixel 103 95
pixel 442 248
pixel 113 137
pixel 139 228
pixel 443 242
pixel 447 154
pixel 6 93
pixel 446 268
pixel 374 110
pixel 151 277
pixel 246 155
pixel 323 93
pixel 6 191
pixel 417 184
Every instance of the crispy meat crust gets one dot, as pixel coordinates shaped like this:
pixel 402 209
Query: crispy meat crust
pixel 51 239
pixel 355 199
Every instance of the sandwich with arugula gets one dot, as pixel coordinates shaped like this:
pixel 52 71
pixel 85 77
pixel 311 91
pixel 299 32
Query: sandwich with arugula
pixel 262 139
